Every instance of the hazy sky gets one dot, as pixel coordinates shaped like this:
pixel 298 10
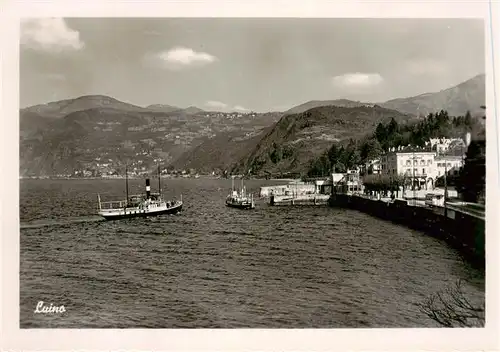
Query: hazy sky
pixel 238 64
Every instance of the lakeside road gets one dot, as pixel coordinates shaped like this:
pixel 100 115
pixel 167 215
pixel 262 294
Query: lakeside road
pixel 471 209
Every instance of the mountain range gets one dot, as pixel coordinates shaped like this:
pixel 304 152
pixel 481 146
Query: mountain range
pixel 466 96
pixel 87 132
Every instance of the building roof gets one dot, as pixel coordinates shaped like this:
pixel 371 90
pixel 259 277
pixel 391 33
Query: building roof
pixel 449 157
pixel 417 151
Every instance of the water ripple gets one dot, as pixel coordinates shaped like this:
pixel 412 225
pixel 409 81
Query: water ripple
pixel 214 267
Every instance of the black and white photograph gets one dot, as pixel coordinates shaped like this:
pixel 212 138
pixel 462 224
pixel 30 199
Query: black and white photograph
pixel 252 172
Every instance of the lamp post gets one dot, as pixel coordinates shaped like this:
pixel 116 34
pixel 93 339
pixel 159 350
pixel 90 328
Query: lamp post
pixel 445 189
pixel 413 180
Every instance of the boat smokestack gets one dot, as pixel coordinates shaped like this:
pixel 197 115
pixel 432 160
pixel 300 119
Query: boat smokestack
pixel 148 189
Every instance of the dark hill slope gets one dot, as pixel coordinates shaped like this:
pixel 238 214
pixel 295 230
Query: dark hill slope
pixel 297 139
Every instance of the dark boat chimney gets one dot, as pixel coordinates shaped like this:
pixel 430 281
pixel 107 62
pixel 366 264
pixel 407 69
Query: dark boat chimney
pixel 148 189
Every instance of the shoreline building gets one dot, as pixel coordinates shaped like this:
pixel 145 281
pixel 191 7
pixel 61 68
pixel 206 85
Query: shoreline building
pixel 442 145
pixel 451 164
pixel 416 165
pixel 420 167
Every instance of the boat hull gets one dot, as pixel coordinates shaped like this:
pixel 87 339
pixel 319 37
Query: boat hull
pixel 241 206
pixel 141 214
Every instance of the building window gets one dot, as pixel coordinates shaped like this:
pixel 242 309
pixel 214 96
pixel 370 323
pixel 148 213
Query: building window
pixel 422 162
pixel 423 171
pixel 408 163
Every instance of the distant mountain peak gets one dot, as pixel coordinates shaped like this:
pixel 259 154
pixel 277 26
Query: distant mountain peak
pixel 318 103
pixel 469 95
pixel 61 108
pixel 163 107
pixel 192 110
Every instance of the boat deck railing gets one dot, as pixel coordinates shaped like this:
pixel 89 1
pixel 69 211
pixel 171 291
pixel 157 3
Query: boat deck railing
pixel 113 204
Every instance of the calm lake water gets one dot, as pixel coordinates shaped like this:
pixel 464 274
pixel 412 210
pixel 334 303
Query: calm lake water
pixel 217 267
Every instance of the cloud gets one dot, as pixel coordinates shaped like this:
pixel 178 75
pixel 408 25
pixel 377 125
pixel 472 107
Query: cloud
pixel 357 80
pixel 240 108
pixel 180 57
pixel 216 104
pixel 220 106
pixel 49 34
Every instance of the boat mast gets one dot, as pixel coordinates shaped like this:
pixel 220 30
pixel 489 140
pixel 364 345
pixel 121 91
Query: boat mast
pixel 159 180
pixel 126 181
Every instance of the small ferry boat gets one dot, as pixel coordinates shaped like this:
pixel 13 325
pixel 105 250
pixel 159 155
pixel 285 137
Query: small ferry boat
pixel 150 204
pixel 240 199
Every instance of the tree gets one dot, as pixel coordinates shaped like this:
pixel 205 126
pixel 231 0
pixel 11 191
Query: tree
pixel 320 166
pixel 381 132
pixel 396 182
pixel 277 153
pixel 393 127
pixel 472 179
pixel 371 149
pixel 333 153
pixel 354 159
pixel 378 183
pixel 339 167
pixel 468 119
pixel 451 308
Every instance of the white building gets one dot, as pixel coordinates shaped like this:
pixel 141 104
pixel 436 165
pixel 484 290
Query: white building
pixel 448 163
pixel 421 167
pixel 442 145
pixel 415 165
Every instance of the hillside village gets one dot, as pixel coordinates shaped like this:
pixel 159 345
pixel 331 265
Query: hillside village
pixel 143 140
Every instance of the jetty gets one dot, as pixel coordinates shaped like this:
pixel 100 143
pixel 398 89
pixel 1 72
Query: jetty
pixel 312 192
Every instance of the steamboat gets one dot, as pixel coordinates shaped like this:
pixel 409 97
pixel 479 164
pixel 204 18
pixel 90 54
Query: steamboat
pixel 149 204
